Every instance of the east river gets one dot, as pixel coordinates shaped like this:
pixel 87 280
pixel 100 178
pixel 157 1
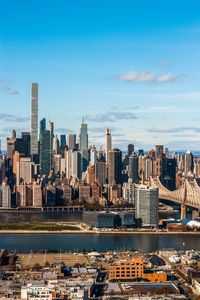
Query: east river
pixel 100 242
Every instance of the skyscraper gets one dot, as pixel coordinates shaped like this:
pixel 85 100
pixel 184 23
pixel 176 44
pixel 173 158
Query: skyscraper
pixel 71 141
pixel 42 124
pixel 24 170
pixel 133 167
pixel 114 166
pixel 130 149
pixel 168 173
pixel 45 151
pixel 5 195
pixel 63 140
pixel 189 162
pixel 146 205
pixel 34 119
pixel 83 145
pixel 159 151
pixel 108 143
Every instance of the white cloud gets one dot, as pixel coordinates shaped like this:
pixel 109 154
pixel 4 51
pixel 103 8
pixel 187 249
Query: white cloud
pixel 148 77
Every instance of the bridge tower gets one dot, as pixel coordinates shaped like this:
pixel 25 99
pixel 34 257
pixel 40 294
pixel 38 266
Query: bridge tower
pixel 195 214
pixel 183 211
pixel 183 206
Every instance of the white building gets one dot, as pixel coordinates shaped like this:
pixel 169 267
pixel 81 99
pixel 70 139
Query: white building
pixel 5 195
pixel 146 205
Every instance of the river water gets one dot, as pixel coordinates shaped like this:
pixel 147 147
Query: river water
pixel 100 242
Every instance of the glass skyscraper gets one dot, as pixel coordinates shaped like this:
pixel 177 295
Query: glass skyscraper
pixel 45 149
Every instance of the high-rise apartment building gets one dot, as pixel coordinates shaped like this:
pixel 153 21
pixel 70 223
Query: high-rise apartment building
pixel 189 162
pixel 108 140
pixel 34 119
pixel 93 155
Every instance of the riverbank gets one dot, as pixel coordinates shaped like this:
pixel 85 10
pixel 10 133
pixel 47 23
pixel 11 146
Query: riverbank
pixel 93 232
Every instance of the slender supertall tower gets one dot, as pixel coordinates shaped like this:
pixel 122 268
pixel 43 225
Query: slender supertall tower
pixel 108 143
pixel 83 145
pixel 34 119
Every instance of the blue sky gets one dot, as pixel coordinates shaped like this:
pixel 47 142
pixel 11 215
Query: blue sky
pixel 132 66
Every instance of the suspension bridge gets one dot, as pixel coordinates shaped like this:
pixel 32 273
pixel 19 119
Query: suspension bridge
pixel 187 195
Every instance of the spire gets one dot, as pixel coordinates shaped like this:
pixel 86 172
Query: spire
pixel 82 119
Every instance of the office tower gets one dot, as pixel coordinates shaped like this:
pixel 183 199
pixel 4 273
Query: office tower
pixel 133 167
pixel 108 143
pixel 93 155
pixel 34 119
pixel 73 164
pixel 140 152
pixel 130 149
pixel 159 151
pixel 71 141
pixel 24 170
pixel 10 147
pixel 51 129
pixel 114 166
pixel 22 145
pixel 168 173
pixel 45 152
pixel 146 205
pixel 5 195
pixel 55 145
pixel 100 172
pixel 63 142
pixel 42 124
pixel 189 162
pixel 83 145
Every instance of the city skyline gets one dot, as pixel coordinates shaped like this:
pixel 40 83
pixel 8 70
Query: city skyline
pixel 131 68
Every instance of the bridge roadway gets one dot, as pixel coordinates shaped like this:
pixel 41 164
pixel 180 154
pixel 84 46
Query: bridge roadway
pixel 187 195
